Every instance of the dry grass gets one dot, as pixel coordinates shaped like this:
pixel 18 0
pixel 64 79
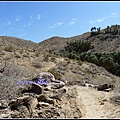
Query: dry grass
pixel 9 78
pixel 32 58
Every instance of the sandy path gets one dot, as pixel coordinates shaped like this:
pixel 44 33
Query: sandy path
pixel 91 103
pixel 47 66
pixel 95 104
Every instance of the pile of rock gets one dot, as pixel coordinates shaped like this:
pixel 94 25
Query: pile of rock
pixel 30 105
pixel 39 101
pixel 102 87
pixel 35 101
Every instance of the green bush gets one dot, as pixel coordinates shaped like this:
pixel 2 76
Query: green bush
pixel 78 49
pixel 78 46
pixel 9 48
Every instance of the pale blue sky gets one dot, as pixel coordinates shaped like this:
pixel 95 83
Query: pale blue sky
pixel 37 21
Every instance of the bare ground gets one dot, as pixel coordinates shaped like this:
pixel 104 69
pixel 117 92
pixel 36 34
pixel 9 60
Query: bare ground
pixel 95 104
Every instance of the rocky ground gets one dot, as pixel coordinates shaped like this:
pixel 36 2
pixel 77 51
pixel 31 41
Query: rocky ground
pixel 96 104
pixel 68 102
pixel 71 101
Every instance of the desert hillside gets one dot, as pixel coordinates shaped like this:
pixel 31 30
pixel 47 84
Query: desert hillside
pixel 79 97
pixel 103 42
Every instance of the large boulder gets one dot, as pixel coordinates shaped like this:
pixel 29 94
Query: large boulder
pixel 44 98
pixel 58 94
pixel 105 87
pixel 3 104
pixel 14 104
pixel 32 104
pixel 46 75
pixel 43 79
pixel 16 114
pixel 51 82
pixel 36 88
pixel 24 111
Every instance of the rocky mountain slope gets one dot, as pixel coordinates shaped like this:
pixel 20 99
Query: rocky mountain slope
pixel 56 44
pixel 23 60
pixel 103 42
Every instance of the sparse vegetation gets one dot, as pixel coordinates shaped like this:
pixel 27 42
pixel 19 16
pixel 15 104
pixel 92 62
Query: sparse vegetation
pixel 46 58
pixel 21 51
pixel 56 74
pixel 9 48
pixel 75 67
pixel 36 64
pixel 52 59
pixel 110 61
pixel 25 55
pixel 114 30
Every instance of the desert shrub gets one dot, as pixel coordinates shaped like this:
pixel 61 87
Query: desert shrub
pixel 94 33
pixel 110 61
pixel 93 59
pixel 53 59
pixel 78 49
pixel 46 58
pixel 2 53
pixel 8 81
pixel 9 48
pixel 37 53
pixel 63 63
pixel 21 51
pixel 56 74
pixel 11 75
pixel 36 64
pixel 82 56
pixel 25 55
pixel 78 46
pixel 8 57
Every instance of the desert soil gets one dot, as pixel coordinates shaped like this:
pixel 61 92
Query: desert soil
pixel 95 104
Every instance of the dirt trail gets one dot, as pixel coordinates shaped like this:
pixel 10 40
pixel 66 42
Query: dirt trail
pixel 91 103
pixel 95 104
pixel 49 65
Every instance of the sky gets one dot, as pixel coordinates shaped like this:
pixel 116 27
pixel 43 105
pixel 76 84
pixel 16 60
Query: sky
pixel 41 20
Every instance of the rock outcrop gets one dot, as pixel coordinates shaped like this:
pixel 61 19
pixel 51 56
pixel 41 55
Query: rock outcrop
pixel 37 102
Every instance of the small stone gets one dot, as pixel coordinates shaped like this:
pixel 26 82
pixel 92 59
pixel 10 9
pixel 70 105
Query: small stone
pixel 43 104
pixel 44 98
pixel 33 103
pixel 35 88
pixel 4 115
pixel 15 114
pixel 3 104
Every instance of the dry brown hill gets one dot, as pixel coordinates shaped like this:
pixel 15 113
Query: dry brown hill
pixel 16 43
pixel 20 61
pixel 56 44
pixel 102 42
